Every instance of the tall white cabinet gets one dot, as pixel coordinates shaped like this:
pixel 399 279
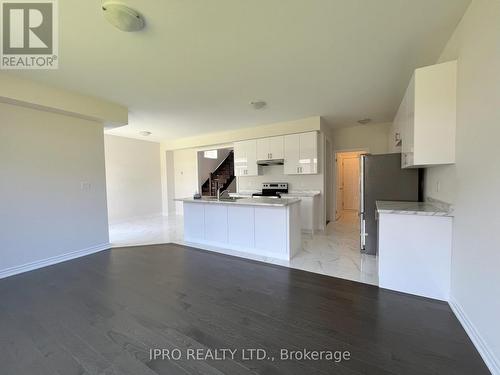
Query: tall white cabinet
pixel 301 153
pixel 426 117
pixel 245 158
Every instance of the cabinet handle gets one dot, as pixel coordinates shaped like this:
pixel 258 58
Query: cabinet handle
pixel 270 156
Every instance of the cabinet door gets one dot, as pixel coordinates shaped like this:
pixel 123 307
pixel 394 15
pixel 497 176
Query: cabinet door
pixel 275 148
pixel 263 149
pixel 271 241
pixel 407 124
pixel 216 223
pixel 292 153
pixel 240 159
pixel 308 157
pixel 241 222
pixel 306 213
pixel 251 157
pixel 194 222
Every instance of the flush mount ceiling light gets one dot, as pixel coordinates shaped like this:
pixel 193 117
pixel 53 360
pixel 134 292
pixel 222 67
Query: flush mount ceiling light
pixel 364 121
pixel 122 17
pixel 258 104
pixel 145 133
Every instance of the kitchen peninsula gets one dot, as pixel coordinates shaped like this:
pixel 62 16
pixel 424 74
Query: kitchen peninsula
pixel 262 227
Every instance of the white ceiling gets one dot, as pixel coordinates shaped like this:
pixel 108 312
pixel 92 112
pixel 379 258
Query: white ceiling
pixel 198 63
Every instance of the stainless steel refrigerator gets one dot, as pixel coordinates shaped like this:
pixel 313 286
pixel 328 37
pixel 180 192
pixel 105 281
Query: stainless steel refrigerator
pixel 382 178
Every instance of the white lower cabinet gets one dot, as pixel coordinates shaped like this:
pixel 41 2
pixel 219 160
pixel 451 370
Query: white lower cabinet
pixel 307 213
pixel 194 228
pixel 216 223
pixel 258 230
pixel 414 254
pixel 309 209
pixel 270 241
pixel 241 226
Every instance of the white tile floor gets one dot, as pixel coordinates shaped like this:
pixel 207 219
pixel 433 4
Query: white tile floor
pixel 334 252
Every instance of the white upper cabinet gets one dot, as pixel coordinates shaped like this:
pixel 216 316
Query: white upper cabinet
pixel 301 153
pixel 245 158
pixel 292 154
pixel 270 148
pixel 427 117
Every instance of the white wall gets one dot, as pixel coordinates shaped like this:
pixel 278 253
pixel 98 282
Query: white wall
pixel 370 137
pixel 262 131
pixel 19 91
pixel 473 184
pixel 185 175
pixel 168 182
pixel 133 178
pixel 44 212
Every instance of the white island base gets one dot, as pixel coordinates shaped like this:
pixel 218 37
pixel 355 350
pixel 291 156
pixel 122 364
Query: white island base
pixel 248 226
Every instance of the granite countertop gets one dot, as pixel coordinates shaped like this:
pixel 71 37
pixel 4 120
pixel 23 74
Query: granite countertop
pixel 302 193
pixel 275 202
pixel 412 208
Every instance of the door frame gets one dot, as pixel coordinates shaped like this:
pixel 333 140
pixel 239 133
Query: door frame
pixel 361 150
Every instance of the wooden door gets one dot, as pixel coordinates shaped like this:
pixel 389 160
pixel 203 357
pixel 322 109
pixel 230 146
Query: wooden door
pixel 338 186
pixel 350 183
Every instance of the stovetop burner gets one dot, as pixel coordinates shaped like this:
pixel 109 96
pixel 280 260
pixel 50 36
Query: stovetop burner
pixel 272 190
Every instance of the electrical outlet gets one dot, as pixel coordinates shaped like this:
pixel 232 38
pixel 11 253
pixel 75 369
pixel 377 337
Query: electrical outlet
pixel 85 186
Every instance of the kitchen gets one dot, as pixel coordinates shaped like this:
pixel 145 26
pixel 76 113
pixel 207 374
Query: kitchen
pixel 274 217
pixel 318 173
pixel 388 183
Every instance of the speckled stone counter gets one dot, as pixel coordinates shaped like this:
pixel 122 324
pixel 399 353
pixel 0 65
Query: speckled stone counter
pixel 276 202
pixel 411 208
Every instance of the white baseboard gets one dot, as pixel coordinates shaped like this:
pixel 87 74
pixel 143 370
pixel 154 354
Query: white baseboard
pixel 488 356
pixel 135 218
pixel 52 260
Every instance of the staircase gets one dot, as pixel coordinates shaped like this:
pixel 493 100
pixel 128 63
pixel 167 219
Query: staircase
pixel 221 177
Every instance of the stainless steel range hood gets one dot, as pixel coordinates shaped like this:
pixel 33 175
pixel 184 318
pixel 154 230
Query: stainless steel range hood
pixel 270 162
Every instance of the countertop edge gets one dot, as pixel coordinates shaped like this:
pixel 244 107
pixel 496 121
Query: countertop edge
pixel 242 202
pixel 429 209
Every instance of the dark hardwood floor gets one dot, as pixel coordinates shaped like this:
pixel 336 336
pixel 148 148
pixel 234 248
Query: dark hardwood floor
pixel 102 314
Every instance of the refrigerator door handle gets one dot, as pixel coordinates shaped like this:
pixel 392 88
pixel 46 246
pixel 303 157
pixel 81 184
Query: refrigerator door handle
pixel 362 234
pixel 361 184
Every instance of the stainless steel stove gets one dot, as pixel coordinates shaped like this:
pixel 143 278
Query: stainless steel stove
pixel 272 190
